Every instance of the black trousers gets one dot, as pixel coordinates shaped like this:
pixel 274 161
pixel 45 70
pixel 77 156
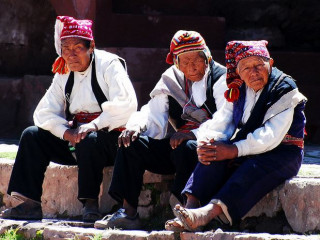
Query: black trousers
pixel 38 147
pixel 153 155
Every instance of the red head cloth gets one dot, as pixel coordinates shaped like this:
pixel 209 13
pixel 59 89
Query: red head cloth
pixel 186 41
pixel 67 27
pixel 235 51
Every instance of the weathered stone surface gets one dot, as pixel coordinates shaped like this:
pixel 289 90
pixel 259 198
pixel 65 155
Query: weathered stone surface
pixel 300 200
pixel 145 197
pixel 145 212
pixel 7 224
pixel 297 198
pixel 266 236
pixel 58 232
pixel 149 177
pixel 60 190
pixel 30 230
pixel 269 205
pixel 216 235
pixel 124 235
pixel 161 235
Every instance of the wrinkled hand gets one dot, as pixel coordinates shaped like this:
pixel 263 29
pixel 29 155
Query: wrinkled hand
pixel 74 136
pixel 84 129
pixel 127 136
pixel 178 137
pixel 215 151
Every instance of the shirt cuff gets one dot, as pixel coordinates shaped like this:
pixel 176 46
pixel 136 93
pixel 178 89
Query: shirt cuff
pixel 241 148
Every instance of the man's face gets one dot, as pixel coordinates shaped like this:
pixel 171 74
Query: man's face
pixel 76 54
pixel 254 71
pixel 193 65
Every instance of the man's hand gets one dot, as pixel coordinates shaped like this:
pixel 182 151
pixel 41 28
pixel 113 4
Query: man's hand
pixel 178 137
pixel 127 136
pixel 215 151
pixel 84 129
pixel 72 136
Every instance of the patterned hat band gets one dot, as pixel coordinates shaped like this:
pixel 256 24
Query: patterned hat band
pixel 236 51
pixel 186 41
pixel 68 27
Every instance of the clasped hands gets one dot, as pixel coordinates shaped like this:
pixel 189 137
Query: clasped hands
pixel 215 151
pixel 74 136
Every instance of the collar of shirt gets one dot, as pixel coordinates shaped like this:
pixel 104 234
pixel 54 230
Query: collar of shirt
pixel 199 89
pixel 82 75
pixel 251 100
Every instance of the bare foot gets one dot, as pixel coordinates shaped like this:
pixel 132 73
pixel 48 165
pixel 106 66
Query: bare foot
pixel 192 219
pixel 174 225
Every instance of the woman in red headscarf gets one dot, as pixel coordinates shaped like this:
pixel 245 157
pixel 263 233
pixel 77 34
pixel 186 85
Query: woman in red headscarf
pixel 265 118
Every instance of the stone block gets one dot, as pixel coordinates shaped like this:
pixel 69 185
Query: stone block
pixel 161 235
pixel 60 232
pixel 145 197
pixel 268 205
pixel 60 190
pixel 146 212
pixel 300 200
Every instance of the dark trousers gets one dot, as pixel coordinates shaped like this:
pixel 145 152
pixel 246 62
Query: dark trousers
pixel 242 182
pixel 38 147
pixel 153 155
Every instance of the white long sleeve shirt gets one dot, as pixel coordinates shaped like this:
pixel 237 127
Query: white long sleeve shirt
pixel 276 123
pixel 152 119
pixel 115 84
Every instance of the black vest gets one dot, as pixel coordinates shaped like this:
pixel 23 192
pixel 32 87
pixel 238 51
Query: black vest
pixel 175 109
pixel 271 93
pixel 98 93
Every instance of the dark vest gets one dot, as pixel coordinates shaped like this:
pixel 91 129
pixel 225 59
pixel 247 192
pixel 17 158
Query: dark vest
pixel 98 93
pixel 175 109
pixel 271 93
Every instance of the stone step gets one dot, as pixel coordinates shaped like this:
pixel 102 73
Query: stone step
pixel 298 198
pixel 63 230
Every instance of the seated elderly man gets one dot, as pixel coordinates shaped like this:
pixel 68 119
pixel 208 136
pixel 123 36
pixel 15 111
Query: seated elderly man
pixel 233 174
pixel 91 87
pixel 187 94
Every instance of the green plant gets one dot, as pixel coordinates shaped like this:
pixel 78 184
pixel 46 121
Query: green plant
pixel 11 234
pixel 8 155
pixel 96 237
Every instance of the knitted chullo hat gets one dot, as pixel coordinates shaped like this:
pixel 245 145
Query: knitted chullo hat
pixel 67 27
pixel 235 51
pixel 185 41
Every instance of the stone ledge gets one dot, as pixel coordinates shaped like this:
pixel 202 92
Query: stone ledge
pixel 59 198
pixel 298 198
pixel 63 230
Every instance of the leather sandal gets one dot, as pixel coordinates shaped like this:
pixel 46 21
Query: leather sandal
pixel 119 220
pixel 24 211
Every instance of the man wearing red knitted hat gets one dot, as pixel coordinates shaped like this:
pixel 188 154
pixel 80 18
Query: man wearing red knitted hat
pixel 77 122
pixel 266 122
pixel 187 94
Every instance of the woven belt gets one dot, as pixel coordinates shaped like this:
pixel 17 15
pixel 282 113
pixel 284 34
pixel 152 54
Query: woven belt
pixel 290 140
pixel 83 117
